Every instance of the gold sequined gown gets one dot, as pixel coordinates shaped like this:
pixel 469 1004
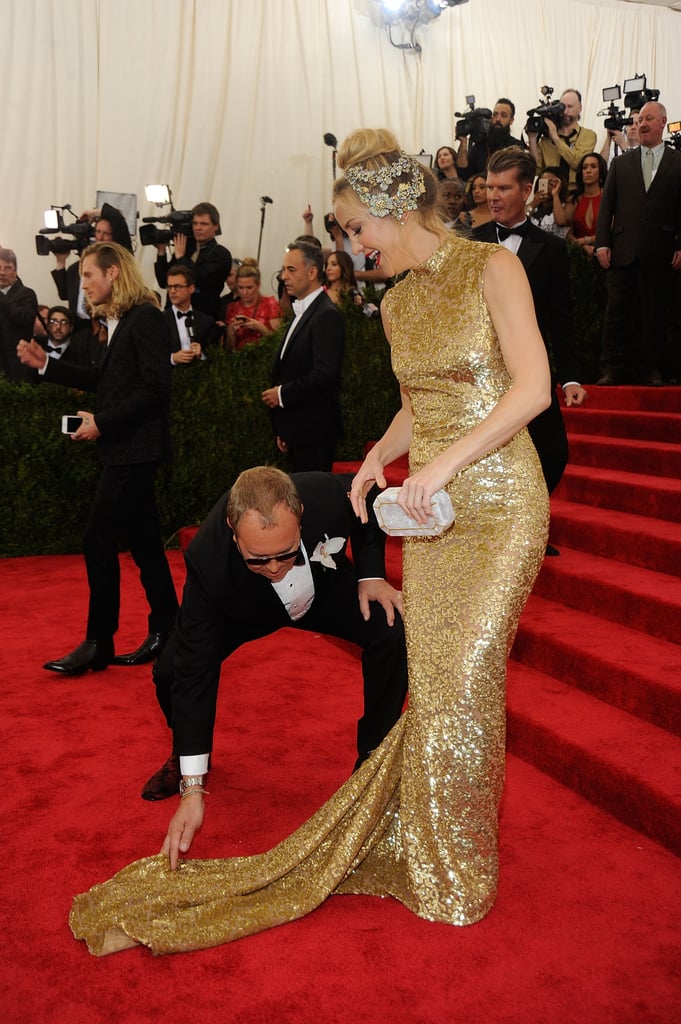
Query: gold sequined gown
pixel 418 821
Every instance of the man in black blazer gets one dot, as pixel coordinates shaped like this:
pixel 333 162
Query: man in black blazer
pixel 273 553
pixel 638 243
pixel 191 331
pixel 304 399
pixel 130 426
pixel 510 174
pixel 18 310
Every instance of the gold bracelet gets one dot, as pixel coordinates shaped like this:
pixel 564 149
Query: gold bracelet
pixel 194 789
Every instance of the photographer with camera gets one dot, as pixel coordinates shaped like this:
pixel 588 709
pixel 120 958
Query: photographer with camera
pixel 109 226
pixel 623 139
pixel 210 261
pixel 562 141
pixel 486 137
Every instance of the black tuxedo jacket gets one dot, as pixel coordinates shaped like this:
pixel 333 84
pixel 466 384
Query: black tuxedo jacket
pixel 211 269
pixel 132 387
pixel 309 374
pixel 545 260
pixel 18 310
pixel 203 326
pixel 640 225
pixel 225 604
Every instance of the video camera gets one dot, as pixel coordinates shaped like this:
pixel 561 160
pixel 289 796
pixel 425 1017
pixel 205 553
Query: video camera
pixel 546 109
pixel 180 222
pixel 475 122
pixel 636 94
pixel 80 231
pixel 674 129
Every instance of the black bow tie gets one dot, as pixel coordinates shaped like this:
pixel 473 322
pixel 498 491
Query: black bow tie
pixel 180 314
pixel 54 348
pixel 519 229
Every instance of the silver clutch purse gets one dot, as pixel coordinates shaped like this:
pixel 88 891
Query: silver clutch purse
pixel 394 521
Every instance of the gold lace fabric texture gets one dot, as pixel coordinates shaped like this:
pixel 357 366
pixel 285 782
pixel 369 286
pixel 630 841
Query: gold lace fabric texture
pixel 419 820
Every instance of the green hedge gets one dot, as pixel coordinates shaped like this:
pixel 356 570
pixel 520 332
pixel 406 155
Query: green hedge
pixel 219 426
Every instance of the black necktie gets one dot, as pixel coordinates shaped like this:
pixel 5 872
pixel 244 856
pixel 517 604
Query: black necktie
pixel 519 229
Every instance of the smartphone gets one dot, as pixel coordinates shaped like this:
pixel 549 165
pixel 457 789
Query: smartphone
pixel 543 185
pixel 70 424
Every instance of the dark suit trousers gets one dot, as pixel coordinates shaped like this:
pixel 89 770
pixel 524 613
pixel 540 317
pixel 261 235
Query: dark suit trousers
pixel 547 431
pixel 307 457
pixel 336 613
pixel 636 318
pixel 124 509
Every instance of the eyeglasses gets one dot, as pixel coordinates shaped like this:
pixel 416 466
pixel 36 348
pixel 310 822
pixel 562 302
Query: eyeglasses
pixel 59 323
pixel 177 287
pixel 290 556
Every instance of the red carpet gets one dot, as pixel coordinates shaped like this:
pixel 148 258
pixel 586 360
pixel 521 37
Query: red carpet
pixel 586 927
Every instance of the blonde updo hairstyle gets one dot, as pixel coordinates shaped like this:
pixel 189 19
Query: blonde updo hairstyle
pixel 248 268
pixel 374 148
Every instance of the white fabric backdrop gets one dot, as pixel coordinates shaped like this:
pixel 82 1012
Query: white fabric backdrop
pixel 227 100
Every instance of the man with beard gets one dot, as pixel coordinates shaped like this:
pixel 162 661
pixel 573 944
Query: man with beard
pixel 563 146
pixel 474 161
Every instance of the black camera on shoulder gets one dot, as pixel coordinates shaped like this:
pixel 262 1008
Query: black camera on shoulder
pixel 179 221
pixel 475 122
pixel 674 129
pixel 80 232
pixel 548 110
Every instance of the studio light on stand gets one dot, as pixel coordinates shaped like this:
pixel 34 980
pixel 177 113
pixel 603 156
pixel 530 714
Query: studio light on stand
pixel 264 200
pixel 160 195
pixel 331 140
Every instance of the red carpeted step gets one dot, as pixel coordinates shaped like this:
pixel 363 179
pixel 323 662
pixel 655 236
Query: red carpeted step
pixel 646 426
pixel 657 458
pixel 641 494
pixel 637 540
pixel 624 765
pixel 638 598
pixel 665 399
pixel 627 669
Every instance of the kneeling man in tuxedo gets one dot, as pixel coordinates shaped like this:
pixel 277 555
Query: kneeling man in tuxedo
pixel 273 553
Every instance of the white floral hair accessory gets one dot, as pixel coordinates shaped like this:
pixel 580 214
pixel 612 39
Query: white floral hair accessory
pixel 380 203
pixel 325 549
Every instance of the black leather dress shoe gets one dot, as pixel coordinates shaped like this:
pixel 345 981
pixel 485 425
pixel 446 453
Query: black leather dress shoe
pixel 165 782
pixel 148 650
pixel 652 380
pixel 92 655
pixel 607 380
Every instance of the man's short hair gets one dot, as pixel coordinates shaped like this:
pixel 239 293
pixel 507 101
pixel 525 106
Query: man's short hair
pixel 8 256
pixel 188 273
pixel 513 158
pixel 260 490
pixel 312 255
pixel 575 91
pixel 310 239
pixel 208 210
pixel 60 309
pixel 508 103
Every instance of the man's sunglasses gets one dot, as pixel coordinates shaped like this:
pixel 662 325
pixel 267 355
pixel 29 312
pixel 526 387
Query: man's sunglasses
pixel 290 556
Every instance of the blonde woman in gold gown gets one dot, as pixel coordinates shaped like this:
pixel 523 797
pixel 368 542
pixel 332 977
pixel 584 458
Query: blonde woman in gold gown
pixel 419 820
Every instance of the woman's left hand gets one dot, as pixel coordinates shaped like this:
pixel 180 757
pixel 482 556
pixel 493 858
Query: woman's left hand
pixel 416 492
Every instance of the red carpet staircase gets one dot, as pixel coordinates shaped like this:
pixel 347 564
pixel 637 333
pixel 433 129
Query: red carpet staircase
pixel 594 685
pixel 594 696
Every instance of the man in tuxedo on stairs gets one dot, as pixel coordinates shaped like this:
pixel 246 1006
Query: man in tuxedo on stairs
pixel 273 553
pixel 510 174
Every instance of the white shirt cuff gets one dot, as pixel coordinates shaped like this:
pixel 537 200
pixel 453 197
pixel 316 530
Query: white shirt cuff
pixel 193 764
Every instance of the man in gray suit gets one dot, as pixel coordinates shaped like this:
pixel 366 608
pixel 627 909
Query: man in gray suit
pixel 638 242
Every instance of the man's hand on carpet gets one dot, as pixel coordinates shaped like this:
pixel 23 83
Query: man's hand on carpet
pixel 184 825
pixel 381 591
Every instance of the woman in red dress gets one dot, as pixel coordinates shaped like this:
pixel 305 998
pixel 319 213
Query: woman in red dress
pixel 253 315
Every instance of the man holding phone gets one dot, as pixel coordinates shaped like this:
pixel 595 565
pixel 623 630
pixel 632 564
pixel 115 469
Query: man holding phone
pixel 130 427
